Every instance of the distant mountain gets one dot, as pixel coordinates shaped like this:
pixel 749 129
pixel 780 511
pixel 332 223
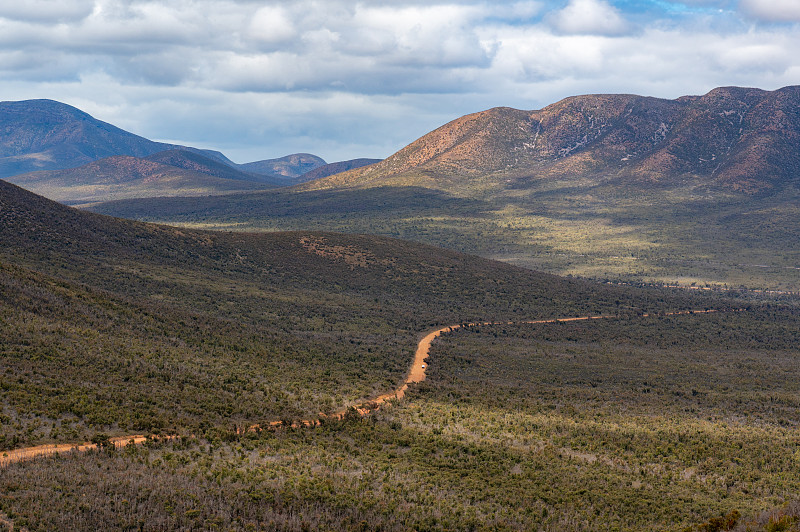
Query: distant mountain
pixel 49 135
pixel 701 189
pixel 189 160
pixel 289 166
pixel 740 139
pixel 335 168
pixel 125 177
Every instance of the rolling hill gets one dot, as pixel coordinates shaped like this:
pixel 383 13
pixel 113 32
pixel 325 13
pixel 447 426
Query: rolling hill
pixel 336 168
pixel 634 422
pixel 168 173
pixel 288 167
pixel 240 296
pixel 196 162
pixel 65 154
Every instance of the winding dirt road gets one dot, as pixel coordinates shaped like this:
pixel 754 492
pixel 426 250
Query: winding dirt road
pixel 416 374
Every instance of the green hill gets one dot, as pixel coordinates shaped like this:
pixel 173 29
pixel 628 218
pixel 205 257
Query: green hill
pixel 177 312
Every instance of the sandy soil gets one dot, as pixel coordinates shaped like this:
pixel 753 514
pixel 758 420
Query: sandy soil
pixel 26 453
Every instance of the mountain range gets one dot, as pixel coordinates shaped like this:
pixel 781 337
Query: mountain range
pixel 64 153
pixel 49 135
pixel 220 340
pixel 548 403
pixel 700 189
pixel 741 139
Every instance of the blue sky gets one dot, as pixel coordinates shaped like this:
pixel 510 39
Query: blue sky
pixel 261 79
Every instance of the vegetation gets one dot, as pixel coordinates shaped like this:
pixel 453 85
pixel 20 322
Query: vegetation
pixel 694 190
pixel 633 424
pixel 112 327
pixel 647 420
pixel 565 227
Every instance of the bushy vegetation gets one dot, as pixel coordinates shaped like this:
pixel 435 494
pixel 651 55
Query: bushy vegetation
pixel 116 326
pixel 600 230
pixel 633 424
pixel 110 327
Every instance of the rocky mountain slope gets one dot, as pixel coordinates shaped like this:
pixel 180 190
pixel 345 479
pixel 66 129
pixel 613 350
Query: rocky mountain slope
pixel 740 139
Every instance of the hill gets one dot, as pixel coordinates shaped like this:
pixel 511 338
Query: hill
pixel 335 168
pixel 289 166
pixel 122 177
pixel 734 138
pixel 240 296
pixel 49 135
pixel 196 162
pixel 632 422
pixel 698 190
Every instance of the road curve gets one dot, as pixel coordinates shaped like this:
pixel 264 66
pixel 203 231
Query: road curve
pixel 415 374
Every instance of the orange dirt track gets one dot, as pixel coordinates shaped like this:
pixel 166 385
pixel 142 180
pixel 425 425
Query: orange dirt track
pixel 416 374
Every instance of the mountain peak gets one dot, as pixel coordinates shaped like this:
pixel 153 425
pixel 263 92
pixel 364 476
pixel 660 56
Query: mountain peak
pixel 288 166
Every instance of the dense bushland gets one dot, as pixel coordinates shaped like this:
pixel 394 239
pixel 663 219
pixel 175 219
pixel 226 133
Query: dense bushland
pixel 111 327
pixel 632 424
pixel 117 326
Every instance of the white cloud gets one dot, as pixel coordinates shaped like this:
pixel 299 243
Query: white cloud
pixel 759 57
pixel 772 10
pixel 365 77
pixel 424 35
pixel 593 17
pixel 272 24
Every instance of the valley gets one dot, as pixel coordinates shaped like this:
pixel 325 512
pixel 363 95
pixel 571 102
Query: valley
pixel 700 190
pixel 644 238
pixel 264 349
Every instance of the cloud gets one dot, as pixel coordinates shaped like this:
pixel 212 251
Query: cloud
pixel 772 10
pixel 272 25
pixel 424 35
pixel 365 77
pixel 591 17
pixel 46 11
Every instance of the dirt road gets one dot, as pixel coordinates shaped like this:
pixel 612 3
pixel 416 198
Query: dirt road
pixel 416 374
pixel 26 453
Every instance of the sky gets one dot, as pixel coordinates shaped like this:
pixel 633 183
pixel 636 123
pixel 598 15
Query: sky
pixel 340 79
